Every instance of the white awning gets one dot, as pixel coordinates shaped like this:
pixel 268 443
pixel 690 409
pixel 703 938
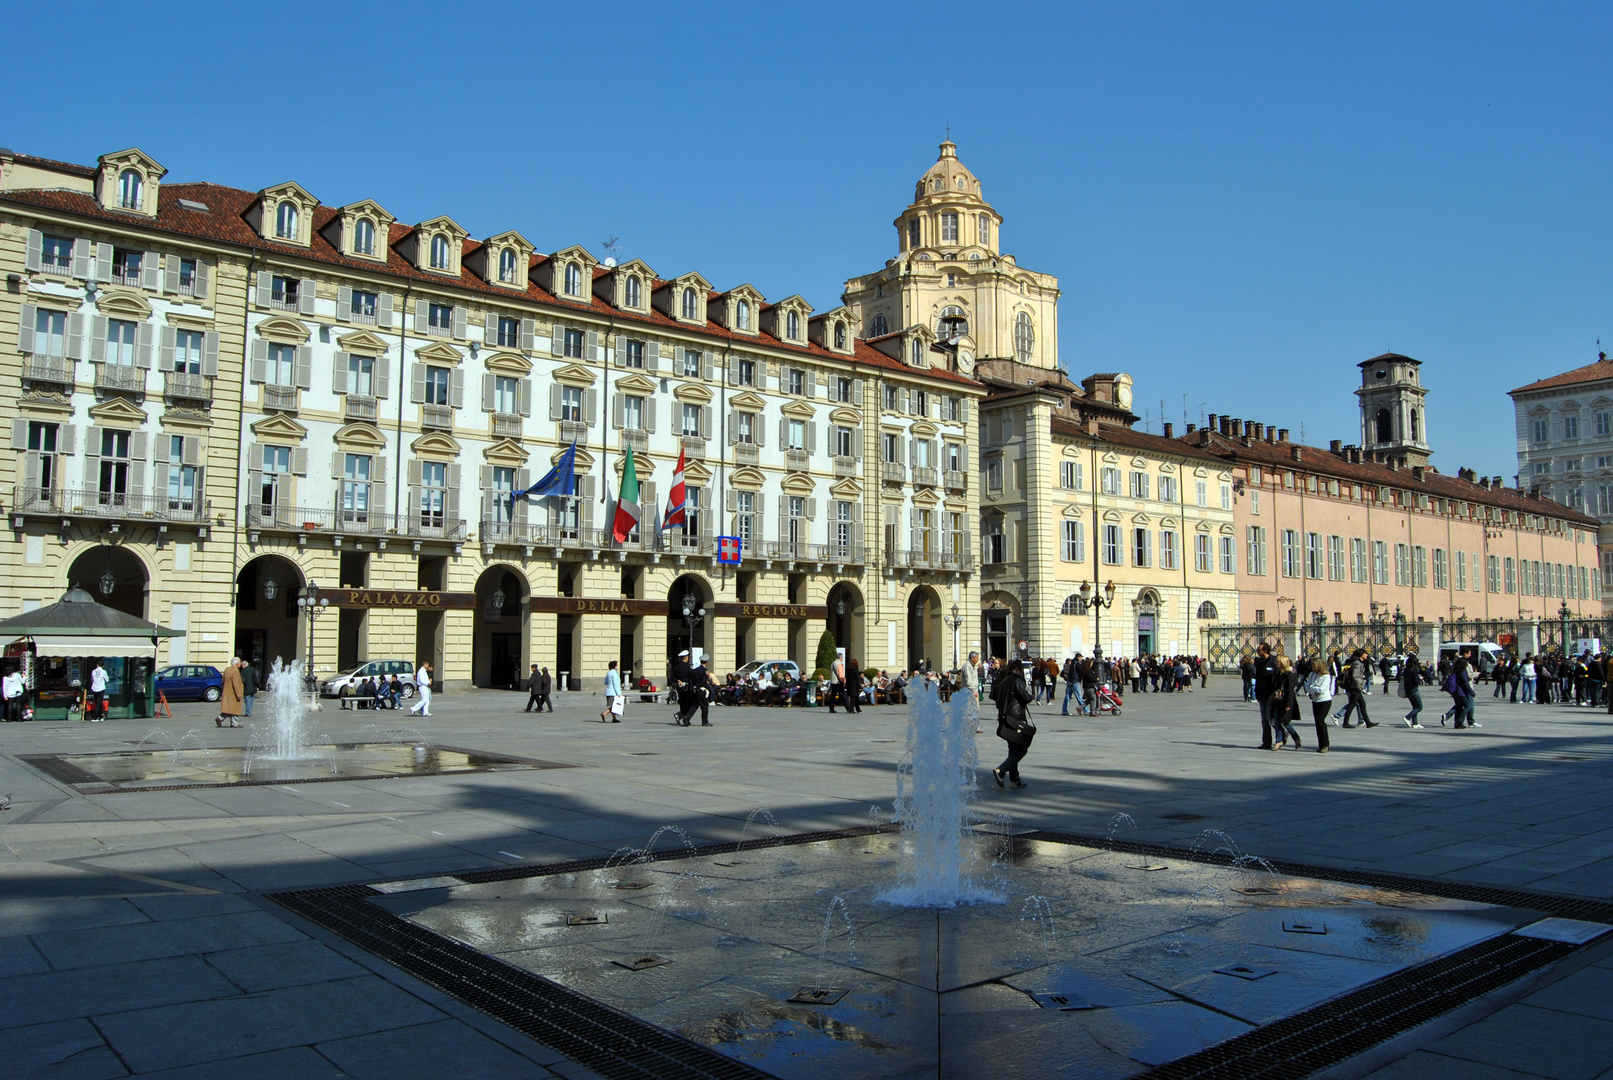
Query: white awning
pixel 92 645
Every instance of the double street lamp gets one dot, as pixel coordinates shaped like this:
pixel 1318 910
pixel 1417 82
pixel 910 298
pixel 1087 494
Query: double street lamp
pixel 309 600
pixel 954 621
pixel 1088 594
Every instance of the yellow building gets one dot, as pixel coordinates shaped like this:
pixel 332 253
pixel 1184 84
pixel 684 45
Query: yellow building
pixel 227 398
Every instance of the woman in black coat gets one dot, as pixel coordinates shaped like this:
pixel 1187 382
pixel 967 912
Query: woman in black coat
pixel 1013 723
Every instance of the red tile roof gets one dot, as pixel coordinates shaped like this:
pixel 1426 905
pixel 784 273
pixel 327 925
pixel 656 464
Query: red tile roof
pixel 225 222
pixel 87 172
pixel 1599 371
pixel 1118 435
pixel 1314 459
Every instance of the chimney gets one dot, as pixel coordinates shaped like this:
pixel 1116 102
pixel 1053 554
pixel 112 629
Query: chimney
pixel 1237 428
pixel 1534 492
pixel 1416 472
pixel 1282 434
pixel 1191 428
pixel 1271 434
pixel 1092 425
pixel 1295 451
pixel 1336 446
pixel 1497 483
pixel 1211 424
pixel 1226 425
pixel 1484 482
pixel 1170 429
pixel 1246 438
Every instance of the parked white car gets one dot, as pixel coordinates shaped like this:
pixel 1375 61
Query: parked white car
pixel 376 669
pixel 775 668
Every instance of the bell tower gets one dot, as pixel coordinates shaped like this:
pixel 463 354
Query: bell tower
pixel 1394 418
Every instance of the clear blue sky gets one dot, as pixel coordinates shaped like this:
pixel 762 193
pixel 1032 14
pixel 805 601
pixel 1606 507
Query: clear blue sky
pixel 1242 200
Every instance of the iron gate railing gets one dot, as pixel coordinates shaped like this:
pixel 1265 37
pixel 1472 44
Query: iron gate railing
pixel 1226 645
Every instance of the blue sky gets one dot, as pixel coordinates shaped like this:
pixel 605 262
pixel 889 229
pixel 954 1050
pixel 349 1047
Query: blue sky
pixel 1242 200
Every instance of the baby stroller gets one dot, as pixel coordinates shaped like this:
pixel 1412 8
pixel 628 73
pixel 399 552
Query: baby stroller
pixel 1108 701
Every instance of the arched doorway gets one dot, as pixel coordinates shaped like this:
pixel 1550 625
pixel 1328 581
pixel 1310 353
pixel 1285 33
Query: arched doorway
pixel 688 613
pixel 266 624
pixel 925 640
pixel 1147 605
pixel 845 622
pixel 115 577
pixel 503 616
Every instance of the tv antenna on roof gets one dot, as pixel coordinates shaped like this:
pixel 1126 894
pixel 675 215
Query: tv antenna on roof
pixel 609 245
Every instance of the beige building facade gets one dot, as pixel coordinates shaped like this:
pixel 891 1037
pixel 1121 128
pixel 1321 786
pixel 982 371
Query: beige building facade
pixel 228 397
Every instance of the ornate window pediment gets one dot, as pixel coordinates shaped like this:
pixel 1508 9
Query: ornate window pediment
pixel 437 444
pixel 696 473
pixel 439 352
pixel 125 304
pixel 118 411
pixel 847 490
pixel 798 409
pixel 505 452
pixel 574 375
pixel 749 401
pixel 284 331
pixel 362 342
pixel 636 384
pixel 358 436
pixel 693 393
pixel 797 484
pixel 748 478
pixel 846 417
pixel 279 426
pixel 508 363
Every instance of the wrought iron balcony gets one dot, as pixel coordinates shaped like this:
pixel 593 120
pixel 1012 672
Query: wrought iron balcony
pixel 638 439
pixel 360 407
pixel 850 554
pixel 439 417
pixel 506 425
pixel 283 398
pixel 341 522
pixel 694 447
pixel 181 386
pixel 574 431
pixel 56 370
pixel 907 559
pixel 110 505
pixel 120 378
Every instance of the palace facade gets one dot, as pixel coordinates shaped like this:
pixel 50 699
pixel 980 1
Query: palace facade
pixel 230 401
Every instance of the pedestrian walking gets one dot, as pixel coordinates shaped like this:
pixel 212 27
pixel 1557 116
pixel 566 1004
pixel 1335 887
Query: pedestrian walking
pixel 545 688
pixel 682 684
pixel 1318 687
pixel 249 685
pixel 1460 686
pixel 1246 671
pixel 1265 666
pixel 837 683
pixel 854 686
pixel 12 688
pixel 1357 675
pixel 422 686
pixel 533 698
pixel 1284 704
pixel 1411 679
pixel 229 702
pixel 700 680
pixel 1014 726
pixel 613 694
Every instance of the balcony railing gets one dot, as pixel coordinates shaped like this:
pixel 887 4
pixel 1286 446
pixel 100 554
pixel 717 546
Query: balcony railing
pixel 923 476
pixel 574 431
pixel 351 522
pixel 747 453
pixel 893 471
pixel 440 417
pixel 48 369
pixel 360 407
pixel 814 553
pixel 694 447
pixel 59 267
pixel 363 318
pixel 433 330
pixel 120 277
pixel 904 558
pixel 283 398
pixel 797 461
pixel 957 480
pixel 506 426
pixel 183 386
pixel 845 466
pixel 109 505
pixel 281 303
pixel 120 377
pixel 637 438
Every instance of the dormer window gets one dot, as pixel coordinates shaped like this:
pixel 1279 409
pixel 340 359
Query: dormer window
pixel 506 266
pixel 364 237
pixel 439 252
pixel 573 279
pixel 131 190
pixel 792 326
pixel 689 304
pixel 917 352
pixel 285 221
pixel 840 335
pixel 949 228
pixel 632 293
pixel 742 315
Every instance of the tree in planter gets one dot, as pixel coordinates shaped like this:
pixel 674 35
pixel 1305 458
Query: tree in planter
pixel 826 656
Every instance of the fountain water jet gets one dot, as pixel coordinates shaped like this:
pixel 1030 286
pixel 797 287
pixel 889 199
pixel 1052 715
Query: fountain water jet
pixel 288 714
pixel 934 790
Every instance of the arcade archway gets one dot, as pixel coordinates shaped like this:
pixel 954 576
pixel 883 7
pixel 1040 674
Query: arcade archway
pixel 503 621
pixel 266 623
pixel 114 576
pixel 845 621
pixel 925 639
pixel 688 617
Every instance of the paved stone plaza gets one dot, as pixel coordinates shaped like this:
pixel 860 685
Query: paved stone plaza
pixel 135 938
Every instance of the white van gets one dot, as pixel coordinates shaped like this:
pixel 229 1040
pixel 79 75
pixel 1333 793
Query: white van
pixel 1475 651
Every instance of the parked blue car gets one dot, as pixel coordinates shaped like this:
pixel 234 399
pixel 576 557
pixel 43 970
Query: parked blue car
pixel 191 682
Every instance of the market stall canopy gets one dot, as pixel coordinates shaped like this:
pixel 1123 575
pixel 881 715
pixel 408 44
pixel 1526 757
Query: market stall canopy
pixel 78 626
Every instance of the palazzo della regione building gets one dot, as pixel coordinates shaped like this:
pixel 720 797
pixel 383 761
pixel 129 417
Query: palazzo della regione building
pixel 222 399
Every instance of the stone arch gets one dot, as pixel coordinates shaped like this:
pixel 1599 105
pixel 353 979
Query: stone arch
pixel 268 625
pixel 501 641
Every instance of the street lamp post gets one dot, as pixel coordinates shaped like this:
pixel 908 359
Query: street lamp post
pixel 954 621
pixel 1400 631
pixel 1089 597
pixel 309 600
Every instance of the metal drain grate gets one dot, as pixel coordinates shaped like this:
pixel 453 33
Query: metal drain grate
pixel 1184 817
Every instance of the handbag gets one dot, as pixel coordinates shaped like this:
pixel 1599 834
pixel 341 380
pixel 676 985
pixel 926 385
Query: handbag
pixel 618 705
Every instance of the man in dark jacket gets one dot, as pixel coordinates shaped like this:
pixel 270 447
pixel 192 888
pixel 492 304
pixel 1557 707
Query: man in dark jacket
pixel 1013 725
pixel 1265 683
pixel 545 686
pixel 534 686
pixel 682 685
pixel 249 685
pixel 854 686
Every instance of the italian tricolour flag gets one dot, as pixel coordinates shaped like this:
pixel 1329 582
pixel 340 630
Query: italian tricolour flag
pixel 627 511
